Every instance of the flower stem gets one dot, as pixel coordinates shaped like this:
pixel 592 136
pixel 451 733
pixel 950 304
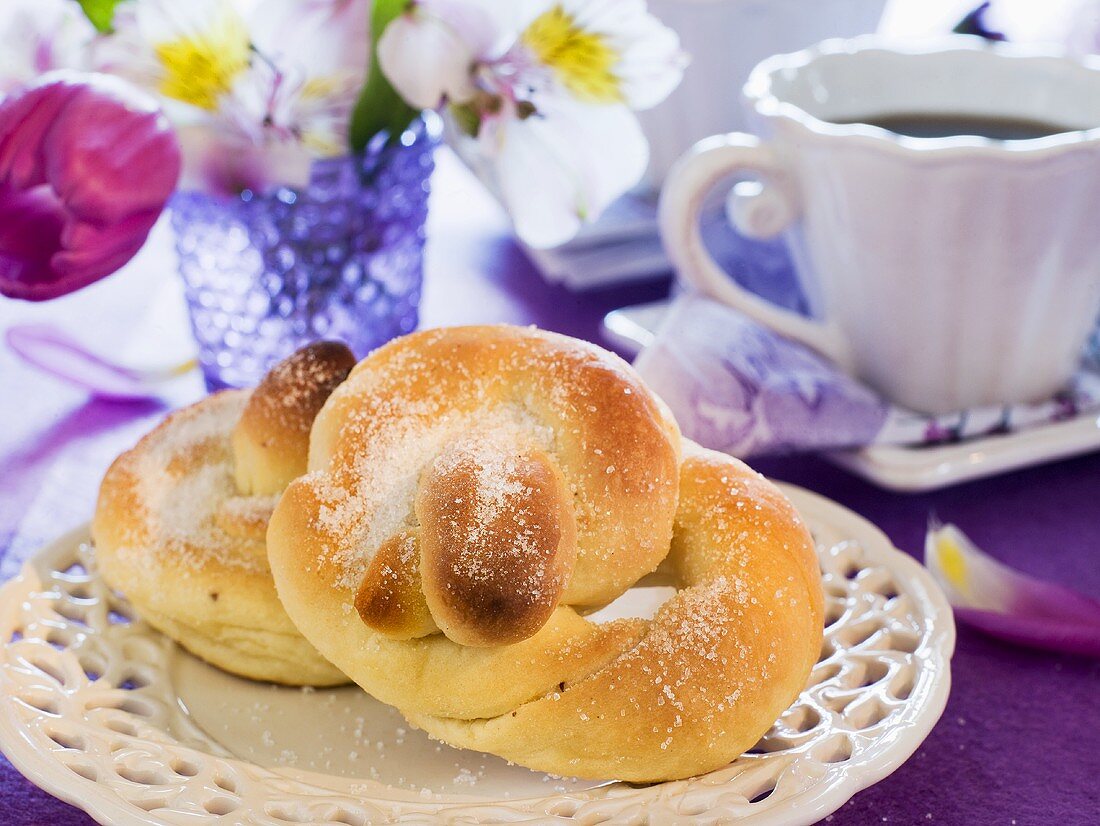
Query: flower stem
pixel 379 108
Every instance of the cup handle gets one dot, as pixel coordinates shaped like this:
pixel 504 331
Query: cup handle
pixel 763 214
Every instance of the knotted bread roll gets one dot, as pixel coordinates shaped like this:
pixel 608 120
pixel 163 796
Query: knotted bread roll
pixel 474 492
pixel 180 523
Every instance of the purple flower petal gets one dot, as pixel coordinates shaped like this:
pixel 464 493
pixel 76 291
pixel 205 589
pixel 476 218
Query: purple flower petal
pixel 1007 604
pixel 1035 632
pixel 86 165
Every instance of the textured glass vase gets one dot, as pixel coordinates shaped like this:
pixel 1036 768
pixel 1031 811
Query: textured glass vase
pixel 338 259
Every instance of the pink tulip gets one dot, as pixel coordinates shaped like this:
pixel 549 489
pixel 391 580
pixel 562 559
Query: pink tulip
pixel 87 163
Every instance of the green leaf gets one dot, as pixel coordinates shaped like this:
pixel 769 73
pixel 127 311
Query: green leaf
pixel 379 108
pixel 101 13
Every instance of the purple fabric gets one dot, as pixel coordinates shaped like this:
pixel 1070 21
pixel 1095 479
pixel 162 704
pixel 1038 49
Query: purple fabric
pixel 1018 740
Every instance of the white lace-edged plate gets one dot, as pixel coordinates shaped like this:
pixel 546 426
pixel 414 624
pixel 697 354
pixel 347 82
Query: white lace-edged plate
pixel 104 712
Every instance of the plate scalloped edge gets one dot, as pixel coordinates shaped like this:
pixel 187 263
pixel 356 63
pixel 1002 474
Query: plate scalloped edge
pixel 88 713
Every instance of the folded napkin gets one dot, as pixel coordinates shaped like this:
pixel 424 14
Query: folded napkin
pixel 736 386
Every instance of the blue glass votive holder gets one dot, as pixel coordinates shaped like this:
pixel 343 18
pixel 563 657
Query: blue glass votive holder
pixel 341 258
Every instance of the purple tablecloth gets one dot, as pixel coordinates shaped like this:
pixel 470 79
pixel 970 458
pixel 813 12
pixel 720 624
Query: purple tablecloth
pixel 1020 739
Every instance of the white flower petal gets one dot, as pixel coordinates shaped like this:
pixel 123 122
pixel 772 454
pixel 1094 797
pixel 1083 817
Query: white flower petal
pixel 485 27
pixel 321 38
pixel 538 192
pixel 425 59
pixel 563 168
pixel 126 52
pixel 609 148
pixel 651 66
pixel 522 13
pixel 163 21
pixel 39 36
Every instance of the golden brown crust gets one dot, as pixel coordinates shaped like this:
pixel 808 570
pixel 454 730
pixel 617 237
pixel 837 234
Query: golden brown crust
pixel 637 700
pixel 271 439
pixel 497 541
pixel 390 598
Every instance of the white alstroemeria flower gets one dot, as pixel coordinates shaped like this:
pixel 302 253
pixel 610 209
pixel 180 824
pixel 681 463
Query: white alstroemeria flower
pixel 191 52
pixel 604 51
pixel 281 104
pixel 311 61
pixel 40 36
pixel 257 88
pixel 540 93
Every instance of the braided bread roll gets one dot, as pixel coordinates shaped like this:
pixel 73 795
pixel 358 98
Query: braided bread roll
pixel 474 492
pixel 181 520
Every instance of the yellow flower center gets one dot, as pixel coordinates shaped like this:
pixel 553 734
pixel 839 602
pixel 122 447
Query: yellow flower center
pixel 199 69
pixel 952 563
pixel 582 60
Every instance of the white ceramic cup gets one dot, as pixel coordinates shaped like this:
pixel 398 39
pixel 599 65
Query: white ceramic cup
pixel 947 273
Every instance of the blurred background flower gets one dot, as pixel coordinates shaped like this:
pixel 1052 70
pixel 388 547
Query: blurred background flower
pixel 541 94
pixel 87 163
pixel 258 89
pixel 541 97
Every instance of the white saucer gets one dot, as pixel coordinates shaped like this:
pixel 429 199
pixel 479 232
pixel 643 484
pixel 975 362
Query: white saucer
pixel 900 468
pixel 104 712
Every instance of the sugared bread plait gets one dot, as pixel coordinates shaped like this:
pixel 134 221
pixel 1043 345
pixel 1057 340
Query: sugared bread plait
pixel 488 471
pixel 271 439
pixel 186 545
pixel 474 492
